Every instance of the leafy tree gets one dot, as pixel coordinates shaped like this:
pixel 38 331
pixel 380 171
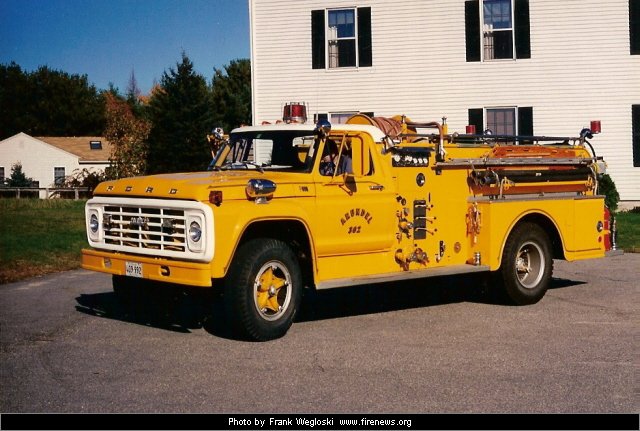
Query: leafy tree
pixel 15 113
pixel 18 178
pixel 83 178
pixel 231 94
pixel 181 117
pixel 127 135
pixel 48 102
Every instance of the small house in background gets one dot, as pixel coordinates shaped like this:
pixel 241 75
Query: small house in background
pixel 48 160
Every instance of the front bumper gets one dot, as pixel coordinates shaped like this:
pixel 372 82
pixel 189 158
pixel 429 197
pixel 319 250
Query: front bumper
pixel 168 271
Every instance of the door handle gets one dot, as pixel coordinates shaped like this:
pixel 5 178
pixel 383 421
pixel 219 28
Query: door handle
pixel 376 187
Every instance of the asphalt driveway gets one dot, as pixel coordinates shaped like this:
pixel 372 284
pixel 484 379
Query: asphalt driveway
pixel 441 345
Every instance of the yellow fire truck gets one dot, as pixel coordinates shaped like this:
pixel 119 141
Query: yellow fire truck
pixel 290 206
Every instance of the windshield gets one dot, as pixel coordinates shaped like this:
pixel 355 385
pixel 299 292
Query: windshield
pixel 282 150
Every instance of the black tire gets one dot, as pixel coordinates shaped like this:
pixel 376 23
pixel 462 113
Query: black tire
pixel 123 286
pixel 262 289
pixel 130 290
pixel 527 264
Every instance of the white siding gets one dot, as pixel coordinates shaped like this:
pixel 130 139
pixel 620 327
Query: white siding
pixel 580 69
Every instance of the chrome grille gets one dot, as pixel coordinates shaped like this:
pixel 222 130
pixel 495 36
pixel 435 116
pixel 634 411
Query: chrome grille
pixel 145 228
pixel 151 227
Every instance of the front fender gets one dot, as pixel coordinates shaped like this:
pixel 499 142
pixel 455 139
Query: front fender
pixel 234 221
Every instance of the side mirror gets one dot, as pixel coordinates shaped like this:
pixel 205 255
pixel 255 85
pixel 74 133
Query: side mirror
pixel 323 127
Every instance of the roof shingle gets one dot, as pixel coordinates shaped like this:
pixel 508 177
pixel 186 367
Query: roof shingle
pixel 80 146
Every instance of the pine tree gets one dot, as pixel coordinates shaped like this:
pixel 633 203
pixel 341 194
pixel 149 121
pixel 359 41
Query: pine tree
pixel 133 95
pixel 18 177
pixel 133 92
pixel 181 115
pixel 231 94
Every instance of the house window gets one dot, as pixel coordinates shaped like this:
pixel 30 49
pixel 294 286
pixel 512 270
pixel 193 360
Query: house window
pixel 339 117
pixel 497 29
pixel 341 38
pixel 634 26
pixel 635 128
pixel 95 145
pixel 503 120
pixel 2 178
pixel 58 175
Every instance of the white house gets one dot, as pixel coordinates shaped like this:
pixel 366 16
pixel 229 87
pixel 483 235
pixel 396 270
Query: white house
pixel 47 160
pixel 543 67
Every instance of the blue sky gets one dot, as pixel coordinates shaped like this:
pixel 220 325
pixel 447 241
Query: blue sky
pixel 107 39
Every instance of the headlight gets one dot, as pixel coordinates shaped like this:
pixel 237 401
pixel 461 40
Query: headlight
pixel 93 223
pixel 195 231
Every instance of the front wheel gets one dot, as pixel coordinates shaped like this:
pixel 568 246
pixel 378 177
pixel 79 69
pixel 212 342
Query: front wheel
pixel 124 287
pixel 262 289
pixel 526 264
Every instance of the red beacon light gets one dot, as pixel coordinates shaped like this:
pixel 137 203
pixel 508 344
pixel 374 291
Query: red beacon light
pixel 295 112
pixel 471 129
pixel 595 127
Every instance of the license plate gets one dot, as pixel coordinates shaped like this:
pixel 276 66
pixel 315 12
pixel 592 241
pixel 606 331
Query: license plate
pixel 133 269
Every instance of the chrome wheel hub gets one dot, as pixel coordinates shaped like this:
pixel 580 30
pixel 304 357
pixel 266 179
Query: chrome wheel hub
pixel 530 264
pixel 272 289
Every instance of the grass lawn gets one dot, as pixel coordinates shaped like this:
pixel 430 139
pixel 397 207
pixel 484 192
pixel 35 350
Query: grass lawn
pixel 39 236
pixel 628 224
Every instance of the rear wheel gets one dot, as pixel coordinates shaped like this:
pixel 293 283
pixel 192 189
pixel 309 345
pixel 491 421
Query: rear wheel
pixel 262 289
pixel 526 264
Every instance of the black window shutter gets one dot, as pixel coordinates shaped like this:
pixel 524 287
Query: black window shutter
pixel 472 29
pixel 476 119
pixel 635 128
pixel 317 39
pixel 522 29
pixel 525 121
pixel 634 26
pixel 364 37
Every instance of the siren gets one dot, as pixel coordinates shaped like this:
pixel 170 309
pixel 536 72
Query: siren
pixel 295 112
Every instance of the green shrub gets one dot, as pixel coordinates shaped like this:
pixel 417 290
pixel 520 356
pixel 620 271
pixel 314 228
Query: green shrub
pixel 607 187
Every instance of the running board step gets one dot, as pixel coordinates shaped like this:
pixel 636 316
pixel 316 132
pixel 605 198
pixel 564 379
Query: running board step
pixel 406 275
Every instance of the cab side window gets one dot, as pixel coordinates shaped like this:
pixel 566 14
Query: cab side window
pixel 334 161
